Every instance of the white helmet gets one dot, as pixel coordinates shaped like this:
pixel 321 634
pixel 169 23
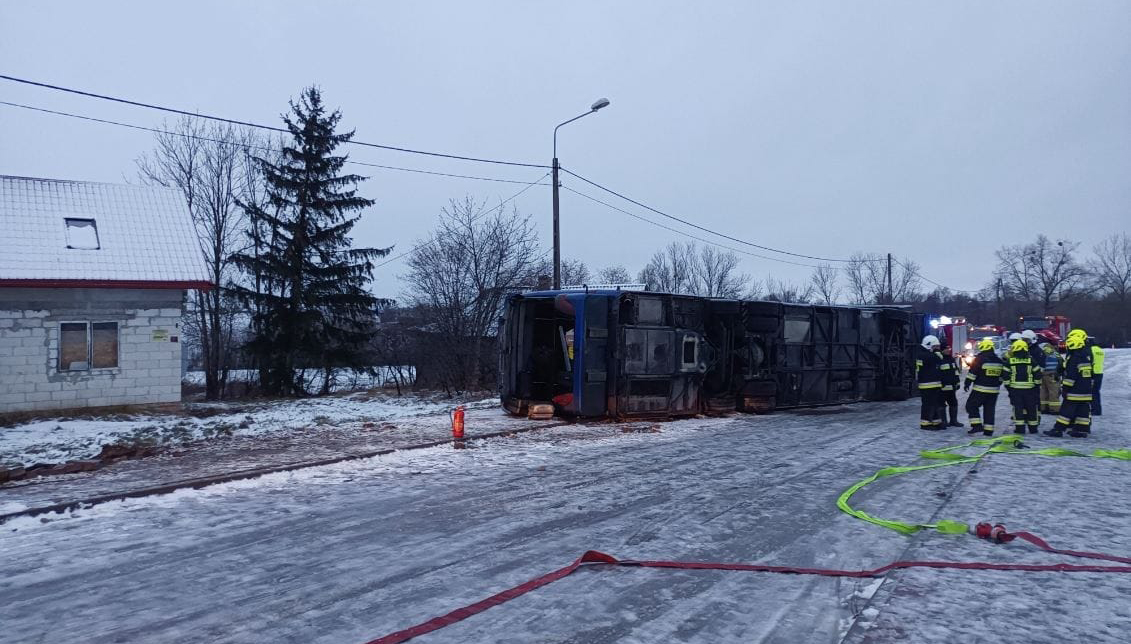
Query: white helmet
pixel 1014 336
pixel 1029 335
pixel 929 342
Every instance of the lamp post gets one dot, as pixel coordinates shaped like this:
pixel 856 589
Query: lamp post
pixel 601 102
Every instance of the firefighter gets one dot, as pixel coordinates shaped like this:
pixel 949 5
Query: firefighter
pixel 1075 410
pixel 985 375
pixel 1021 378
pixel 929 376
pixel 1052 370
pixel 1029 336
pixel 951 374
pixel 1097 375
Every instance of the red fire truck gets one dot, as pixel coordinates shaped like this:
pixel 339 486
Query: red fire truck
pixel 1053 328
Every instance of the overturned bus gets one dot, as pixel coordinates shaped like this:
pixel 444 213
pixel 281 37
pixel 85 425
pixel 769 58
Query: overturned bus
pixel 634 354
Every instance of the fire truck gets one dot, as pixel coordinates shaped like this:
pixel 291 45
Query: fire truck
pixel 976 333
pixel 1053 328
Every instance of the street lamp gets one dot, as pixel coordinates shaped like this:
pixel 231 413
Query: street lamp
pixel 598 104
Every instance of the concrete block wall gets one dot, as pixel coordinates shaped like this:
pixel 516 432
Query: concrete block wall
pixel 148 371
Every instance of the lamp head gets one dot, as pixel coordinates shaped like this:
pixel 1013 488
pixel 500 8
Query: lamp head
pixel 601 102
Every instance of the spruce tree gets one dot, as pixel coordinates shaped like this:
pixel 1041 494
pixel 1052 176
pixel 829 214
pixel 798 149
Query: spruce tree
pixel 312 308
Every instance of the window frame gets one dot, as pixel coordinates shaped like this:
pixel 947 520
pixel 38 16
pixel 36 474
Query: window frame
pixel 89 325
pixel 93 225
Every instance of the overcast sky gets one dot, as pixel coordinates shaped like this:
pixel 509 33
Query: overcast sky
pixel 934 130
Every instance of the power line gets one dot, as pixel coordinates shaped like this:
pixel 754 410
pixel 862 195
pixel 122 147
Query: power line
pixel 245 145
pixel 537 182
pixel 173 110
pixel 698 227
pixel 915 271
pixel 685 234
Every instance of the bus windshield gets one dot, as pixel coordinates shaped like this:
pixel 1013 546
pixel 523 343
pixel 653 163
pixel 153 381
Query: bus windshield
pixel 1035 324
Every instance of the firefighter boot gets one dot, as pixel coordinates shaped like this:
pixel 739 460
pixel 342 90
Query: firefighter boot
pixel 1057 431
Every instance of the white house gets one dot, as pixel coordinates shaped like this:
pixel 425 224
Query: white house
pixel 92 282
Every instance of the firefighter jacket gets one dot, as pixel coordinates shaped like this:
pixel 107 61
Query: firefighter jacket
pixel 986 372
pixel 950 373
pixel 928 372
pixel 1078 375
pixel 1097 361
pixel 1020 371
pixel 1037 354
pixel 1052 362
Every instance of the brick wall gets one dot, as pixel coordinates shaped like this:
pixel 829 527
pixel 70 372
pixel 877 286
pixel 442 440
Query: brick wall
pixel 149 363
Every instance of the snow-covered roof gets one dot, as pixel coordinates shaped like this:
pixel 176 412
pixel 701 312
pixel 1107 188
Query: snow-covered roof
pixel 140 236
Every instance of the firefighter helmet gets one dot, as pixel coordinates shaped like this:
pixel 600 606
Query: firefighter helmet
pixel 1029 335
pixel 985 344
pixel 1076 333
pixel 930 342
pixel 1015 336
pixel 1075 341
pixel 1020 346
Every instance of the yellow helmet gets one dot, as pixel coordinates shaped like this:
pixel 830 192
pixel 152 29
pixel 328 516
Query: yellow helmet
pixel 985 344
pixel 1076 333
pixel 1075 341
pixel 1020 346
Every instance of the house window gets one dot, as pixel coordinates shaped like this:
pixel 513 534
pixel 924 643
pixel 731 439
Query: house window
pixel 88 345
pixel 82 234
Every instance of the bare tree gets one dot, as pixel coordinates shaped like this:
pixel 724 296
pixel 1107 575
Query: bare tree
pixel 867 279
pixel 826 283
pixel 690 269
pixel 208 163
pixel 716 274
pixel 574 272
pixel 783 291
pixel 461 273
pixel 1111 267
pixel 614 275
pixel 1041 271
pixel 670 270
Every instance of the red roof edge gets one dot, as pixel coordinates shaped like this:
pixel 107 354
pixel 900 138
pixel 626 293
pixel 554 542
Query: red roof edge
pixel 153 284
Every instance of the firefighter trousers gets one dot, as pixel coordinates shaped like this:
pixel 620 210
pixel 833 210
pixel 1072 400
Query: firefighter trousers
pixel 1075 416
pixel 1097 380
pixel 1025 402
pixel 980 408
pixel 949 401
pixel 1050 393
pixel 930 408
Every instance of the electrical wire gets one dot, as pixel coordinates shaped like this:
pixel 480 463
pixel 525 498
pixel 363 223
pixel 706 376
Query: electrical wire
pixel 923 277
pixel 702 228
pixel 474 219
pixel 680 232
pixel 261 126
pixel 244 145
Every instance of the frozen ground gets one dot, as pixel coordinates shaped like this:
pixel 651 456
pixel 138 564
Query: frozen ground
pixel 56 440
pixel 349 552
pixel 343 379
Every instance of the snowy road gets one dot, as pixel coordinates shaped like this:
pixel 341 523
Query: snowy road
pixel 349 552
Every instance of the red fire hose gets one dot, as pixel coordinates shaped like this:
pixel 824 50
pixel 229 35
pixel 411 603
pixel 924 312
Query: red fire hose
pixel 592 557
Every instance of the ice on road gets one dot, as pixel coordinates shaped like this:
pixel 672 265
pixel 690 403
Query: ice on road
pixel 350 552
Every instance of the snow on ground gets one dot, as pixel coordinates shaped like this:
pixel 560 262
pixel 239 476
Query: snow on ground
pixel 55 440
pixel 342 380
pixel 353 551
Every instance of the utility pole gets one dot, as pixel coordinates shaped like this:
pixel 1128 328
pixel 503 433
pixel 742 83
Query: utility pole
pixel 600 103
pixel 999 295
pixel 891 295
pixel 557 233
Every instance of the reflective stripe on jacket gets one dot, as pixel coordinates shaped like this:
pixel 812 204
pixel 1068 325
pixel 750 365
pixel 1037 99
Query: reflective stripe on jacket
pixel 986 372
pixel 1020 372
pixel 928 372
pixel 1097 360
pixel 1078 375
